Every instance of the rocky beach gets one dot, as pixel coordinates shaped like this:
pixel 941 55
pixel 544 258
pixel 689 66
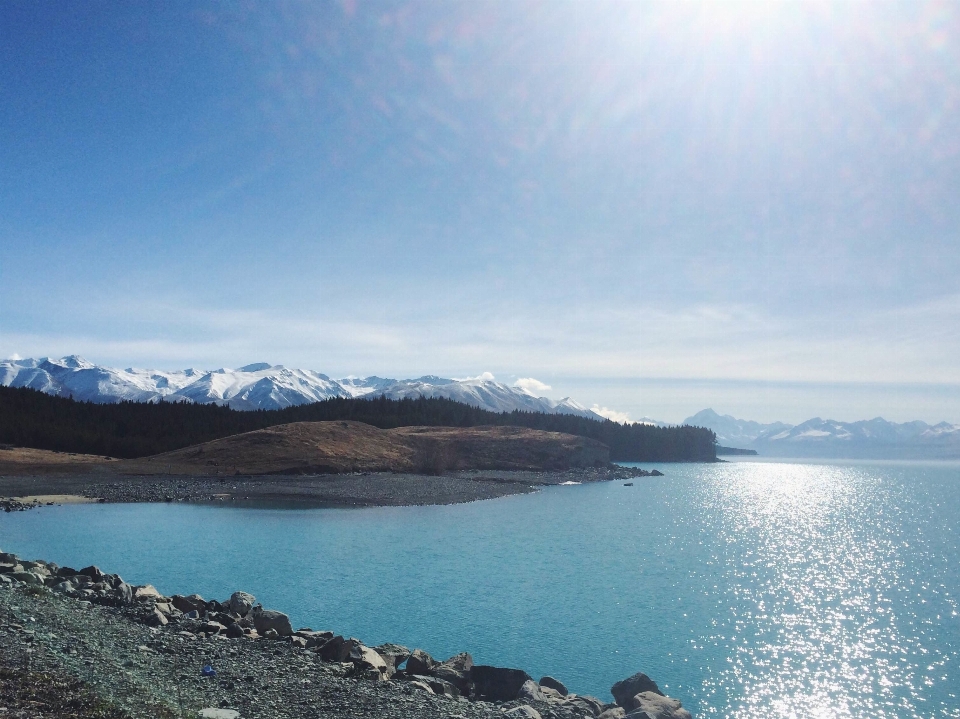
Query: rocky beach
pixel 84 643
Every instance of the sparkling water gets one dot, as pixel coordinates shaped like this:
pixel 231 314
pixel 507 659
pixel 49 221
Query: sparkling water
pixel 745 589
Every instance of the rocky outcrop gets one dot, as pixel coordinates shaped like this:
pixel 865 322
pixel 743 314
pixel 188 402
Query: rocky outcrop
pixel 624 690
pixel 240 618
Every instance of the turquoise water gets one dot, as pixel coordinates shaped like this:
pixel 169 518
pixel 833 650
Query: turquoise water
pixel 745 589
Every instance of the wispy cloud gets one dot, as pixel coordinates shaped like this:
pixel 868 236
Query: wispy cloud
pixel 532 385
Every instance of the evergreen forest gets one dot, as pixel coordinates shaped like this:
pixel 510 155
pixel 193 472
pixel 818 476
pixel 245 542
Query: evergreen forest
pixel 30 418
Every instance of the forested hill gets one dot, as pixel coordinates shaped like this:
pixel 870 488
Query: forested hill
pixel 29 418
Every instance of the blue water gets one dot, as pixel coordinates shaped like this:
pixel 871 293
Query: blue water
pixel 745 589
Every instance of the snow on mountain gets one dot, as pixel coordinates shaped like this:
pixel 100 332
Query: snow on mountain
pixel 730 431
pixel 261 386
pixel 874 438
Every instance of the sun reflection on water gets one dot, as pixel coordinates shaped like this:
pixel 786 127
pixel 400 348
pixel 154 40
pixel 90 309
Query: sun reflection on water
pixel 813 559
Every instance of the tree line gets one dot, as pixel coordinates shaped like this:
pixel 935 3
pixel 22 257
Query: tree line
pixel 30 418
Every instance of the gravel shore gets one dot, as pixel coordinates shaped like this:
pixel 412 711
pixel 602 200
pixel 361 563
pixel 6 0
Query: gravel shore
pixel 86 644
pixel 335 490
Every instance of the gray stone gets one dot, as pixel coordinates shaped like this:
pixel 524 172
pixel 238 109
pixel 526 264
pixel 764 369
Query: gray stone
pixel 267 619
pixel 420 662
pixel 614 713
pixel 145 592
pixel 365 658
pixel 530 692
pixel 524 711
pixel 93 572
pixel 156 619
pixel 624 691
pixel 552 683
pixel 27 577
pixel 124 593
pixel 214 713
pixel 394 655
pixel 419 684
pixel 657 706
pixel 241 603
pixel 188 604
pixel 586 704
pixel 497 684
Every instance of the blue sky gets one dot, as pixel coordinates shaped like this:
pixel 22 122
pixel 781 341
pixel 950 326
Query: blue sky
pixel 655 207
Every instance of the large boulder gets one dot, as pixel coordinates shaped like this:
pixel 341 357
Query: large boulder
pixel 530 692
pixel 420 663
pixel 591 706
pixel 193 603
pixel 333 651
pixel 650 705
pixel 266 619
pixel 241 603
pixel 27 577
pixel 394 655
pixel 93 572
pixel 124 593
pixel 625 690
pixel 366 659
pixel 552 683
pixel 497 684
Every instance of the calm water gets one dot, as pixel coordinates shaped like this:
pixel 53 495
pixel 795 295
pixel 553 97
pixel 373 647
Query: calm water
pixel 745 589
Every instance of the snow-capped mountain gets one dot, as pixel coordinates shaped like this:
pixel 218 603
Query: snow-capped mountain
pixel 730 431
pixel 260 386
pixel 874 439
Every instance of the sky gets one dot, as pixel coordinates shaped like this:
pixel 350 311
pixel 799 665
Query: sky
pixel 651 207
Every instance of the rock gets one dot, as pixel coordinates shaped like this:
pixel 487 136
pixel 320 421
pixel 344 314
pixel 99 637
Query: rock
pixel 524 711
pixel 394 655
pixel 625 690
pixel 193 603
pixel 556 684
pixel 9 558
pixel 241 603
pixel 462 662
pixel 27 577
pixel 234 631
pixel 214 713
pixel 530 692
pixel 124 593
pixel 552 695
pixel 614 713
pixel 497 684
pixel 93 572
pixel 271 634
pixel 365 658
pixel 314 639
pixel 267 619
pixel 586 704
pixel 156 619
pixel 651 705
pixel 421 685
pixel 459 679
pixel 212 628
pixel 145 592
pixel 420 662
pixel 332 651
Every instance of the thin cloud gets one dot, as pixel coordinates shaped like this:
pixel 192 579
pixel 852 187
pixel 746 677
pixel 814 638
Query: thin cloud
pixel 623 417
pixel 532 385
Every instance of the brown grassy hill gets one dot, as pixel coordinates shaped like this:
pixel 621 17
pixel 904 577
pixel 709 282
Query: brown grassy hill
pixel 336 447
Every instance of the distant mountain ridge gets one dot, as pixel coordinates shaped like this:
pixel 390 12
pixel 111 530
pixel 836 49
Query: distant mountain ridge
pixel 830 439
pixel 260 386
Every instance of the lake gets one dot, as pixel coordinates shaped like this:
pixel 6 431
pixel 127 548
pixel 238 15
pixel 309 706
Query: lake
pixel 751 588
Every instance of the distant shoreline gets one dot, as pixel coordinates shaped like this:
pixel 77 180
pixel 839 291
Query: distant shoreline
pixel 371 489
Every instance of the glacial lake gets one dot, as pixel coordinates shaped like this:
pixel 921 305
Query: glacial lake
pixel 752 588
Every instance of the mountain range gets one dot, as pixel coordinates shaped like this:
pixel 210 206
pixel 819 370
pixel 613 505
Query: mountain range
pixel 260 386
pixel 826 438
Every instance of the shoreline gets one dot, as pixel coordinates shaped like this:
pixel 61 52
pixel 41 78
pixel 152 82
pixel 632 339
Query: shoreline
pixel 364 489
pixel 129 651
